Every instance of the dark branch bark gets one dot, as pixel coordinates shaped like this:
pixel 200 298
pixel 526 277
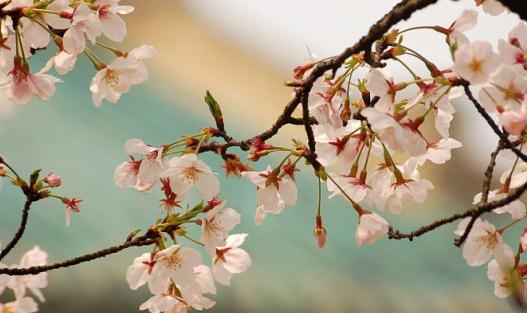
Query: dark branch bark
pixel 503 136
pixel 20 231
pixel 140 241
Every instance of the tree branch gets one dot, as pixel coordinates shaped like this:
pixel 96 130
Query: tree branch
pixel 21 229
pixel 503 136
pixel 140 241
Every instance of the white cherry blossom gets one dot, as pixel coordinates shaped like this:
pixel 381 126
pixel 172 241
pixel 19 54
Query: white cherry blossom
pixel 380 83
pixel 216 225
pixel 502 272
pixel 230 259
pixel 140 174
pixel 84 22
pixel 476 62
pixel 481 243
pixel 273 192
pixel 370 228
pixel 33 283
pixel 108 11
pixel 187 171
pixel 176 263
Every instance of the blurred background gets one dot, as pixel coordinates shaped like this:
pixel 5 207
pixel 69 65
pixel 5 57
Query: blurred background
pixel 243 51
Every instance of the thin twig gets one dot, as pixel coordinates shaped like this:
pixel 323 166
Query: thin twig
pixel 20 232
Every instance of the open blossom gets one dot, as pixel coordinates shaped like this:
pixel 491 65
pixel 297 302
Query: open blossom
pixel 187 171
pixel 116 78
pixel 514 50
pixel 338 147
pixel 176 263
pixel 439 152
pixel 33 283
pixel 56 20
pixel 140 272
pixel 466 21
pixel 273 192
pixel 411 187
pixel 397 135
pixel 83 23
pixel 355 188
pixel 476 62
pixel 323 103
pixel 230 259
pixel 482 242
pixel 380 83
pixel 503 273
pixel 371 227
pixel 515 208
pixel 25 84
pixel 141 174
pixel 507 91
pixel 216 225
pixel 108 11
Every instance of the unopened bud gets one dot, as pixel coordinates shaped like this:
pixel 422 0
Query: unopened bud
pixel 53 180
pixel 320 233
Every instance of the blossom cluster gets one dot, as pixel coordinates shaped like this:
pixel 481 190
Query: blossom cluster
pixel 176 275
pixel 73 27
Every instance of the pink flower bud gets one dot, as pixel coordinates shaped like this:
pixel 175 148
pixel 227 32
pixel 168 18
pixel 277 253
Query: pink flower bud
pixel 513 122
pixel 320 233
pixel 53 180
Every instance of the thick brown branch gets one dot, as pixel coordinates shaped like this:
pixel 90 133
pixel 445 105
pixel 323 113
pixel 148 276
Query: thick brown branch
pixel 140 241
pixel 21 229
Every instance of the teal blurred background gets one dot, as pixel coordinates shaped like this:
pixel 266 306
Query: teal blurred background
pixel 83 144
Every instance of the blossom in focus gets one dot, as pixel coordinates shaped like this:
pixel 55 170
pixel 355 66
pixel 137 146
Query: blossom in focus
pixel 187 171
pixel 273 191
pixel 176 263
pixel 140 174
pixel 230 259
pixel 380 83
pixel 216 225
pixel 83 23
pixel 112 25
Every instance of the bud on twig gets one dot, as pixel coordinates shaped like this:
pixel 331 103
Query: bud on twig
pixel 215 110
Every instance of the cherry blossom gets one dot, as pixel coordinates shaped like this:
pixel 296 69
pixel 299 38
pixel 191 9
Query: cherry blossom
pixel 513 50
pixel 380 83
pixel 176 263
pixel 25 84
pixel 439 152
pixel 216 225
pixel 476 62
pixel 482 241
pixel 187 171
pixel 337 148
pixel 112 24
pixel 502 272
pixel 140 271
pixel 140 174
pixel 395 134
pixel 84 22
pixel 33 283
pixel 466 21
pixel 230 259
pixel 370 228
pixel 273 192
